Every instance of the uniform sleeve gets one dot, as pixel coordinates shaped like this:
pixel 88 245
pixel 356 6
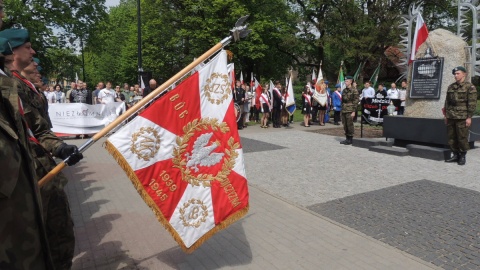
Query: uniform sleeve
pixel 38 124
pixel 472 100
pixel 356 97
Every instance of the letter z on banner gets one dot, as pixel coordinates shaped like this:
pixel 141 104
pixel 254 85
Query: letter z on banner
pixel 183 155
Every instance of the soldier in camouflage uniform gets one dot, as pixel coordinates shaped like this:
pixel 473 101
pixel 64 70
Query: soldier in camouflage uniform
pixel 23 243
pixel 460 104
pixel 350 101
pixel 58 221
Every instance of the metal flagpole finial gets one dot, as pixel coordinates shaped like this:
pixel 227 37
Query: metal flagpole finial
pixel 240 31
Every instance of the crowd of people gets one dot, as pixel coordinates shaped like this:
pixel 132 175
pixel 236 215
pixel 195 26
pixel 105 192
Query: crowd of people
pixel 103 93
pixel 319 103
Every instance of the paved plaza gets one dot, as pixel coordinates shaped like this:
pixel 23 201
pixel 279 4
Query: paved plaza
pixel 314 204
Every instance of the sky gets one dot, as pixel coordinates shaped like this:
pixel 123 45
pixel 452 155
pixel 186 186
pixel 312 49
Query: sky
pixel 112 3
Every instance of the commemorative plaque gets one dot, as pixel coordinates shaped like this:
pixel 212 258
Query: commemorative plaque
pixel 426 78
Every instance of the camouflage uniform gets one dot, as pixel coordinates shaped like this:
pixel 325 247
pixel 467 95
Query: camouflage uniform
pixel 56 209
pixel 350 101
pixel 460 104
pixel 23 244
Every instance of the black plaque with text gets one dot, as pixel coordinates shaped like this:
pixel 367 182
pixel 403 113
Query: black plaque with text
pixel 426 78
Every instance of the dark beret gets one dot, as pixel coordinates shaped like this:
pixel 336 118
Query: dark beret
pixel 5 47
pixel 348 78
pixel 16 36
pixel 459 68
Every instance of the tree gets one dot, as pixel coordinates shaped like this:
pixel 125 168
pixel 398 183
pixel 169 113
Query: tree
pixel 51 23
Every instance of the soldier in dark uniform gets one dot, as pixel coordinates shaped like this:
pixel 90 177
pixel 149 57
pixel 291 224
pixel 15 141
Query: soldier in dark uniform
pixel 23 242
pixel 350 101
pixel 57 216
pixel 460 104
pixel 239 99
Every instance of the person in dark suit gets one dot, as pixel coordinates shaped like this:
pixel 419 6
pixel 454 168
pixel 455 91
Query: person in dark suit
pixel 277 104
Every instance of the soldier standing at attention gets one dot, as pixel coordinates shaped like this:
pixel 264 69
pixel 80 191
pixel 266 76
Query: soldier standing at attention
pixel 350 100
pixel 56 209
pixel 23 242
pixel 460 104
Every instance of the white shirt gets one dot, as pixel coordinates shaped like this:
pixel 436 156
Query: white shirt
pixel 106 95
pixel 368 92
pixel 51 97
pixel 393 93
pixel 402 95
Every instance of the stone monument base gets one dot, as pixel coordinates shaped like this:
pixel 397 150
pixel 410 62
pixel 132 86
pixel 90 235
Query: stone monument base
pixel 423 131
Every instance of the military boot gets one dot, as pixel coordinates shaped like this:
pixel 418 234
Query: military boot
pixel 453 157
pixel 349 140
pixel 345 141
pixel 461 158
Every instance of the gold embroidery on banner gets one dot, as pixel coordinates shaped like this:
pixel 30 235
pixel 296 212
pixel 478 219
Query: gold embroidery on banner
pixel 193 213
pixel 217 88
pixel 183 160
pixel 145 143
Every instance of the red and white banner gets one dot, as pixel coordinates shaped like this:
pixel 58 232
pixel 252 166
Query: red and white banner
pixel 231 71
pixel 420 36
pixel 183 154
pixel 258 93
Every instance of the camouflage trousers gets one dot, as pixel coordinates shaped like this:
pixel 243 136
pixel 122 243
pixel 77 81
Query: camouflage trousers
pixel 56 214
pixel 347 122
pixel 458 134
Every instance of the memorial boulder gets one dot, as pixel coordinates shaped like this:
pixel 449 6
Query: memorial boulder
pixel 424 100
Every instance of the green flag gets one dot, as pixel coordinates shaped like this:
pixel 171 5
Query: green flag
pixel 341 78
pixel 374 77
pixel 359 69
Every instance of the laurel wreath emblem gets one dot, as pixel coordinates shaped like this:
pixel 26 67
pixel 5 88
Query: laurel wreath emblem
pixel 192 205
pixel 145 143
pixel 180 162
pixel 213 86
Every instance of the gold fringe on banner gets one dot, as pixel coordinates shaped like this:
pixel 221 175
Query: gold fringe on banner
pixel 148 200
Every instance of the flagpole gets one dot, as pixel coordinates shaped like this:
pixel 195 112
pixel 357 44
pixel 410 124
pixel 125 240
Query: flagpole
pixel 239 31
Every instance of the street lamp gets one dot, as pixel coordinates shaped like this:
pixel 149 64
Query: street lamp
pixel 139 42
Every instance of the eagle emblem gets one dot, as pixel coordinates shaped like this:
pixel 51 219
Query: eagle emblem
pixel 202 153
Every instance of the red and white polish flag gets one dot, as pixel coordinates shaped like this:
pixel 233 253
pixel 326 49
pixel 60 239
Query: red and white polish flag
pixel 420 36
pixel 183 155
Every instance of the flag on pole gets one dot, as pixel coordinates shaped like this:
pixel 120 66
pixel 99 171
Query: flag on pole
pixel 320 75
pixel 183 155
pixel 359 69
pixel 142 84
pixel 258 93
pixel 290 98
pixel 231 72
pixel 420 36
pixel 241 77
pixel 374 77
pixel 314 76
pixel 270 90
pixel 341 78
pixel 252 80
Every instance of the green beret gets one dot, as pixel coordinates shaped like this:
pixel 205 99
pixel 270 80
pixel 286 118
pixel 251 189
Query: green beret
pixel 459 68
pixel 17 37
pixel 36 60
pixel 348 78
pixel 5 47
pixel 39 68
